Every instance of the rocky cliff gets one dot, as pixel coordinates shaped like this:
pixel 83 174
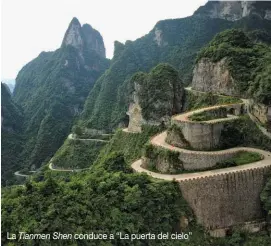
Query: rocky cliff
pixel 235 10
pixel 213 77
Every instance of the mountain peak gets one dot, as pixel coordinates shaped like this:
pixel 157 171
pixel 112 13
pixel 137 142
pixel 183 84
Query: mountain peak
pixel 75 21
pixel 83 37
pixel 73 35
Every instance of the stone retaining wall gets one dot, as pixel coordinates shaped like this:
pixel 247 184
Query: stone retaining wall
pixel 201 136
pixel 222 201
pixel 198 160
pixel 205 135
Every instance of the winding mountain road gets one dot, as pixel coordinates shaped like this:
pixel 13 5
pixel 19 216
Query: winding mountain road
pixel 23 175
pixel 185 116
pixel 51 167
pixel 159 140
pixel 266 162
pixel 246 102
pixel 72 137
pixel 20 175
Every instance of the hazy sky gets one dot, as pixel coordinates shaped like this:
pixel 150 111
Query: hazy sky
pixel 32 26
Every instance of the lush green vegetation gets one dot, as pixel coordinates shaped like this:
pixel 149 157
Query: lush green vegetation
pixel 249 63
pixel 11 133
pixel 77 154
pixel 52 94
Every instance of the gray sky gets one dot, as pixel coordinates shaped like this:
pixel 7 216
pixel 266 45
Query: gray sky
pixel 32 26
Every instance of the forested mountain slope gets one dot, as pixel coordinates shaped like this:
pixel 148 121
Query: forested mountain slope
pixel 11 135
pixel 52 89
pixel 175 41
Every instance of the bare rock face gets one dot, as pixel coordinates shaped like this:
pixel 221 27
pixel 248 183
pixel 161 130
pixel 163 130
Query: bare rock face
pixel 83 37
pixel 73 35
pixel 213 77
pixel 135 112
pixel 158 37
pixel 234 10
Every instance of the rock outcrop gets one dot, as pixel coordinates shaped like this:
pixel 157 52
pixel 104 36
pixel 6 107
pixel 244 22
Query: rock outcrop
pixel 155 97
pixel 235 10
pixel 84 37
pixel 213 77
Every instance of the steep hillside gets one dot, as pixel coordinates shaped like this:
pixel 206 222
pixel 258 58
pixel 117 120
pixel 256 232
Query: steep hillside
pixel 174 41
pixel 52 88
pixel 11 136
